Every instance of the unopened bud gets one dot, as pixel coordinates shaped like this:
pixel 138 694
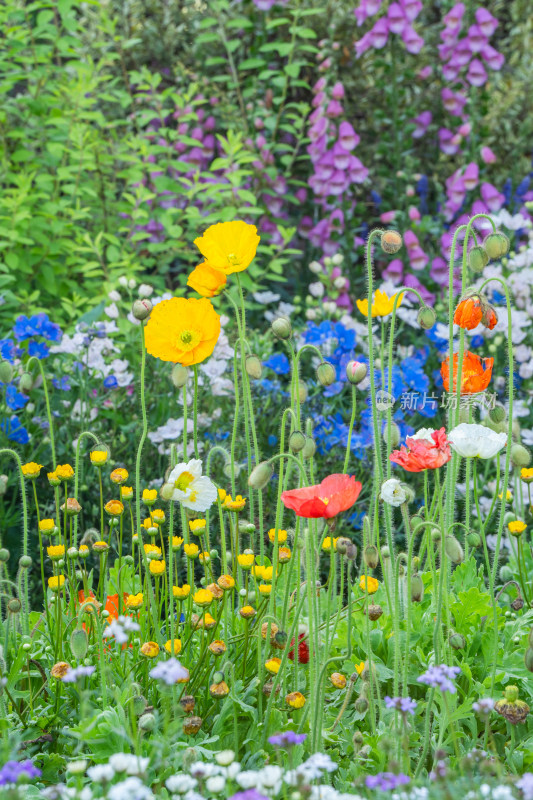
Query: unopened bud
pixel 391 241
pixel 374 612
pixel 79 643
pixel 496 245
pixel 26 382
pixel 254 367
pixel 4 555
pixel 356 371
pixel 260 475
pixel 14 605
pixel 454 551
pixel 497 414
pixel 309 448
pixel 520 456
pixel 141 309
pixel 426 317
pixel 179 375
pixel 302 391
pixel 417 589
pixel 371 556
pixel 281 327
pixel 394 432
pixel 6 372
pixel 296 441
pixel 478 258
pixel 25 562
pixel 166 491
pixel 474 539
pixel 528 659
pixel 457 641
pixel 326 373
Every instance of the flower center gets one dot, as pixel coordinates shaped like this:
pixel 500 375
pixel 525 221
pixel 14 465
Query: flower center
pixel 234 259
pixel 188 339
pixel 325 500
pixel 184 481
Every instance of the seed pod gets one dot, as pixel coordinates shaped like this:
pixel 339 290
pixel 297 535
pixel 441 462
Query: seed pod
pixel 6 372
pixel 267 688
pixel 391 241
pixel 281 327
pixel 513 710
pixel 457 641
pixel 219 690
pixel 253 367
pixel 496 244
pixel 326 374
pixel 296 441
pixel 192 725
pixel 528 659
pixel 179 375
pixel 260 475
pixel 374 612
pixel 79 643
pixel 520 456
pixel 454 551
pixel 371 556
pixel 351 552
pixel 478 258
pixel 426 317
pixel 142 309
pixel 309 448
pixel 417 588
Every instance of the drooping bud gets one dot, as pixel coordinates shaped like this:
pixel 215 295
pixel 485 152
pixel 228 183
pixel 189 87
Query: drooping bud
pixel 260 475
pixel 417 588
pixel 309 448
pixel 528 659
pixel 474 539
pixel 478 258
pixel 356 371
pixel 192 725
pixel 281 327
pixel 79 643
pixel 25 562
pixel 326 374
pixel 302 391
pixel 147 722
pixel 4 555
pixel 426 317
pixel 391 241
pixel 361 705
pixel 496 244
pixel 394 435
pixel 166 491
pixel 141 309
pixel 187 703
pixel 26 382
pixel 520 456
pixel 179 375
pixel 371 556
pixel 497 414
pixel 457 641
pixel 454 551
pixel 374 612
pixel 297 441
pixel 6 372
pixel 254 367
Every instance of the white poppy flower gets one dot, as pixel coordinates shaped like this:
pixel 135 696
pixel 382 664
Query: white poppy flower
pixel 424 434
pixel 476 441
pixel 393 492
pixel 191 488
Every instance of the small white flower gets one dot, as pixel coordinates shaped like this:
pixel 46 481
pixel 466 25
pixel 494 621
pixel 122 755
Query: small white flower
pixel 130 789
pixel 202 771
pixel 225 757
pixel 476 441
pixel 114 296
pixel 123 281
pixel 180 783
pixel 232 771
pixel 112 311
pixel 191 489
pixel 127 762
pixel 247 779
pixel 215 784
pixel 393 492
pixel 270 777
pixel 101 773
pixel 77 767
pixel 145 290
pixel 317 289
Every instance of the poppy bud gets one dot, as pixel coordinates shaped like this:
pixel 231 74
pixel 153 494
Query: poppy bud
pixel 454 551
pixel 147 722
pixel 6 372
pixel 14 605
pixel 365 751
pixel 371 556
pixel 142 309
pixel 79 643
pixel 25 562
pixel 281 327
pixel 309 448
pixel 385 552
pixel 179 375
pixel 356 372
pixel 478 258
pixel 351 552
pixel 187 703
pixel 506 574
pixel 520 456
pixel 192 725
pixel 417 589
pixel 357 741
pixel 253 367
pixel 279 640
pixel 4 555
pixel 219 690
pixel 489 318
pixel 528 659
pixel 497 414
pixel 302 391
pixel 26 382
pixel 391 241
pixel 496 244
pixel 296 441
pixel 530 637
pixel 326 374
pixel 342 545
pixel 426 317
pixel 260 475
pixel 394 435
pixel 457 641
pixel 474 539
pixel 517 604
pixel 374 612
pixel 361 705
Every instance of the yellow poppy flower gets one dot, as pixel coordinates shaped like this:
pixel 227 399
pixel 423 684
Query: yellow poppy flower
pixel 247 612
pixel 114 508
pixel 203 597
pixel 226 582
pixel 157 568
pixel 150 649
pixel 338 680
pixel 119 475
pixel 360 667
pixel 191 550
pixel 181 592
pixel 152 550
pixel 31 470
pixel 273 665
pixel 184 331
pixel 326 544
pixel 516 527
pixel 197 526
pixel 295 700
pixel 83 551
pixel 126 492
pixel 64 472
pixel 204 557
pixel 206 280
pixel 282 535
pixel 217 647
pixel 258 571
pixel 53 478
pixel 526 473
pixel 234 505
pixel 177 541
pixel 173 650
pixel 100 547
pixel 56 582
pixel 246 560
pixel 98 457
pixel 47 526
pixel 229 246
pixel 222 495
pixel 382 304
pixel 134 601
pixel 284 555
pixel 372 585
pixel 55 552
pixel 149 496
pixel 265 588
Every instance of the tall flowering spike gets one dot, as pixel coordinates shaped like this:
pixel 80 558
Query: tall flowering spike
pixel 183 331
pixel 229 246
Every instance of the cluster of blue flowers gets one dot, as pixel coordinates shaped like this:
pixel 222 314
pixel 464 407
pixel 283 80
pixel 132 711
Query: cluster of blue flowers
pixel 30 336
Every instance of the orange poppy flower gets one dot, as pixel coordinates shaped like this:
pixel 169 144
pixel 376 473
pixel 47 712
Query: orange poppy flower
pixel 476 373
pixel 490 318
pixel 468 313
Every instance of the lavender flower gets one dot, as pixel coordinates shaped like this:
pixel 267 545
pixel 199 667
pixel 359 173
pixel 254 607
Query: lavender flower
pixel 484 706
pixel 440 676
pixel 120 628
pixel 77 673
pixel 403 704
pixel 248 794
pixel 15 771
pixel 287 739
pixel 170 672
pixel 525 784
pixel 386 781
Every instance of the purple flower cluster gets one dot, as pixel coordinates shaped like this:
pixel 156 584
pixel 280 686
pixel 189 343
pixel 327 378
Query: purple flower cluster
pixel 386 781
pixel 403 704
pixel 525 784
pixel 14 771
pixel 470 50
pixel 287 739
pixel 170 672
pixel 398 20
pixel 76 674
pixel 440 676
pixel 484 706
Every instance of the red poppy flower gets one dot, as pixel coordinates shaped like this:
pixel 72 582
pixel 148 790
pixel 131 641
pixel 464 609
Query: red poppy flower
pixel 111 604
pixel 468 313
pixel 336 493
pixel 424 453
pixel 475 374
pixel 303 650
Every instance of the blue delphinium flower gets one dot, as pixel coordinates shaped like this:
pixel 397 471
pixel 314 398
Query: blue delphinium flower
pixel 7 349
pixel 14 399
pixel 36 325
pixel 39 349
pixel 62 383
pixel 279 363
pixel 14 430
pixel 110 382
